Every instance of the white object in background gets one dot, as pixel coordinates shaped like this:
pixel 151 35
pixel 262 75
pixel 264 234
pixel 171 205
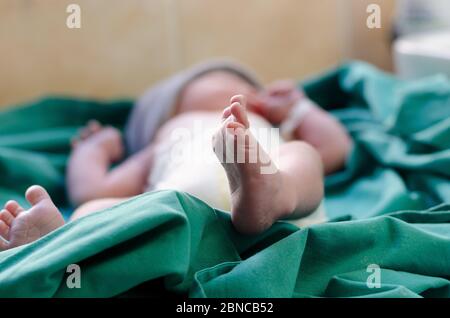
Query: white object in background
pixel 424 54
pixel 417 16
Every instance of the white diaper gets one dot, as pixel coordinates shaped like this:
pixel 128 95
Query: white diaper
pixel 187 163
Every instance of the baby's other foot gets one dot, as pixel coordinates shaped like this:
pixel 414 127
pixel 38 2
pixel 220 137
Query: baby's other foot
pixel 107 138
pixel 19 226
pixel 255 196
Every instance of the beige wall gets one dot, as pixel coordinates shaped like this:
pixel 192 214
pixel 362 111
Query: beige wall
pixel 125 46
pixel 369 44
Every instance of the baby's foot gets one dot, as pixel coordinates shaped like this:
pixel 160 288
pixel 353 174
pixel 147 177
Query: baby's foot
pixel 19 226
pixel 94 135
pixel 255 196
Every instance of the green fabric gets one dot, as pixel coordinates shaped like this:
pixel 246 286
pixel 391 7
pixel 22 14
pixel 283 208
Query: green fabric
pixel 167 243
pixel 401 158
pixel 35 142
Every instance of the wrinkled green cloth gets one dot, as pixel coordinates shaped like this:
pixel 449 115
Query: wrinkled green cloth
pixel 402 134
pixel 167 243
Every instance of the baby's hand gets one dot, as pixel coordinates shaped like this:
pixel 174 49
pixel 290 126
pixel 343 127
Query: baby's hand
pixel 108 139
pixel 276 100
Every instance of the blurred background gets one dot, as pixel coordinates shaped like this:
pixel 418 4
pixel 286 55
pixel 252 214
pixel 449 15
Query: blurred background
pixel 123 47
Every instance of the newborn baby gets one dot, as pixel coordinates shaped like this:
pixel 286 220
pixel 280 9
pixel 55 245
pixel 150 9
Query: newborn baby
pixel 256 184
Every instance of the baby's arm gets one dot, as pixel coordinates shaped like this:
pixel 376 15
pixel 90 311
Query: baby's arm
pixel 89 176
pixel 317 127
pixel 327 135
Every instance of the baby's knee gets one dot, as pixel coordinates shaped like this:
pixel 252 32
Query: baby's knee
pixel 301 161
pixel 300 149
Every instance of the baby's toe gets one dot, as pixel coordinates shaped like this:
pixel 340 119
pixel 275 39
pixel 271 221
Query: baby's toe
pixel 4 230
pixel 6 217
pixel 236 127
pixel 3 244
pixel 36 194
pixel 13 207
pixel 238 99
pixel 226 113
pixel 239 112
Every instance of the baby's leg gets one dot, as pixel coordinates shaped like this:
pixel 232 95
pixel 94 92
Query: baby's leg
pixel 301 168
pixel 259 199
